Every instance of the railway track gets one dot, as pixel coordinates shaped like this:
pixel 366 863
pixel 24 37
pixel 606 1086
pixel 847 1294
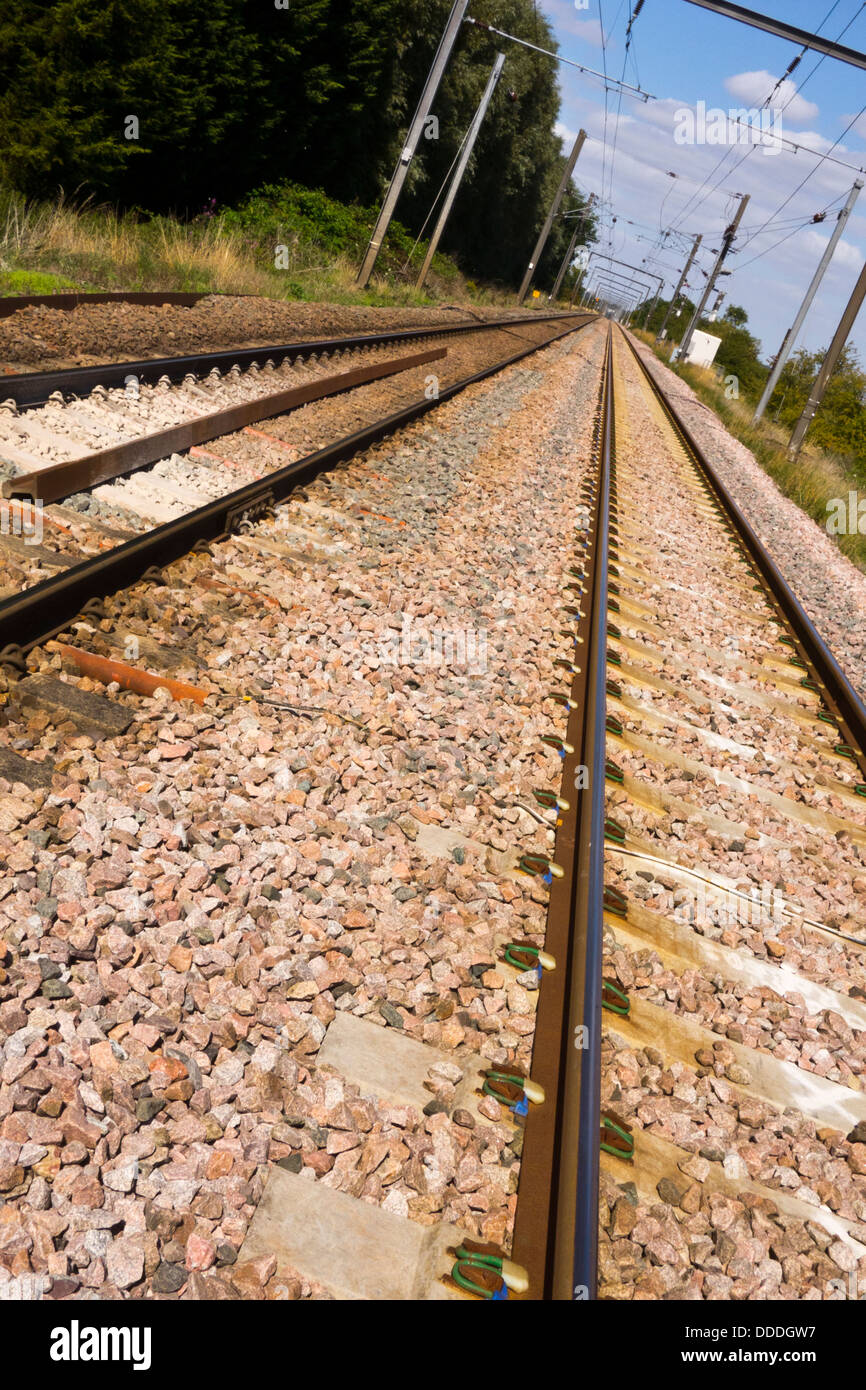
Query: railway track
pixel 702 1079
pixel 118 526
pixel 28 389
pixel 316 952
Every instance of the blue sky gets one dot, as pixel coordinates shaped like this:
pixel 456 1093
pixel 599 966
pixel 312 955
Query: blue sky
pixel 684 55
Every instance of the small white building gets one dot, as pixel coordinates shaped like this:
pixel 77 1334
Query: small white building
pixel 702 349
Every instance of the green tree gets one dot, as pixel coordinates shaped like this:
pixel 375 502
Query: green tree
pixel 736 315
pixel 840 424
pixel 518 159
pixel 233 95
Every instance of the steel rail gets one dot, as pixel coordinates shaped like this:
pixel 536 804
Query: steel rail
pixel 47 608
pixel 11 303
pixel 556 1225
pixel 59 480
pixel 34 388
pixel 842 700
pixel 577 1277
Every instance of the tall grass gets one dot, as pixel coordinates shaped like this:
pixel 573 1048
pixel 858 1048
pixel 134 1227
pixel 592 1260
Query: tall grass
pixel 45 246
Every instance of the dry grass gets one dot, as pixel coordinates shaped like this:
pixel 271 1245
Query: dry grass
pixel 814 480
pixel 45 247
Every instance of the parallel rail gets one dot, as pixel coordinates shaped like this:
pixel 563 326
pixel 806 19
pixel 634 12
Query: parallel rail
pixel 34 388
pixel 60 480
pixel 48 607
pixel 838 694
pixel 556 1225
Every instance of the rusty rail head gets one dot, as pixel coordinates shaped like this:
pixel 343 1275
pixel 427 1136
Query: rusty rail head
pixel 61 480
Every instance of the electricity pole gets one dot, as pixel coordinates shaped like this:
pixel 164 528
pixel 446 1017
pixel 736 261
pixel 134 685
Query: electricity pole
pixel 578 285
pixel 554 209
pixel 471 137
pixel 566 260
pixel 833 352
pixel 730 232
pixel 688 265
pixel 652 309
pixel 440 62
pixel 791 336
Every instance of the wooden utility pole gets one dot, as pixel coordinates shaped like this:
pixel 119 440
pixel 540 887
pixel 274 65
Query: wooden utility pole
pixel 682 280
pixel 727 241
pixel 833 353
pixel 440 62
pixel 468 147
pixel 548 222
pixel 791 336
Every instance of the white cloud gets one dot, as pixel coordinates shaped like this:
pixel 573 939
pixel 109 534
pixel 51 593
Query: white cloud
pixel 755 87
pixel 846 256
pixel 565 18
pixel 859 126
pixel 771 287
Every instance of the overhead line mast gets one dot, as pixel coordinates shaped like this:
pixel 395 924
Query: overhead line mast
pixel 784 31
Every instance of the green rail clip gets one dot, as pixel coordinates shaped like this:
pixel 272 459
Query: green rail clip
pixel 483 1270
pixel 522 955
pixel 539 866
pixel 613 726
pixel 616 1137
pixel 614 832
pixel 615 901
pixel 549 800
pixel 558 744
pixel 613 772
pixel 614 999
pixel 513 1090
